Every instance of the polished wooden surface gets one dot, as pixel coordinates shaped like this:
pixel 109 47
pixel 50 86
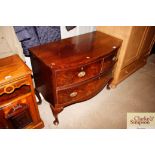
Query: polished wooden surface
pixel 76 50
pixel 18 107
pixel 136 46
pixel 11 69
pixel 74 69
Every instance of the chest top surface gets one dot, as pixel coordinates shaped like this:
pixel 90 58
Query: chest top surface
pixel 11 68
pixel 76 50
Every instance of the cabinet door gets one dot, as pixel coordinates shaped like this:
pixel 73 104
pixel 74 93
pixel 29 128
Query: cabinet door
pixel 132 49
pixel 147 42
pixel 18 114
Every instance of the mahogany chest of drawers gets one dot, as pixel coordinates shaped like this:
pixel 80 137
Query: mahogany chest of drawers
pixel 74 69
pixel 18 107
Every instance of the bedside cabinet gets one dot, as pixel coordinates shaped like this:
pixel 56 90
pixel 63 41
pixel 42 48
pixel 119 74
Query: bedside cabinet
pixel 74 69
pixel 18 107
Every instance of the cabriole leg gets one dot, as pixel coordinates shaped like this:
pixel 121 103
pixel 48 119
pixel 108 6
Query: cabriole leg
pixel 56 111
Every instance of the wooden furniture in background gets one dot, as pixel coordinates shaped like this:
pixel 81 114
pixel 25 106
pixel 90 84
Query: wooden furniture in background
pixel 18 107
pixel 136 47
pixel 74 69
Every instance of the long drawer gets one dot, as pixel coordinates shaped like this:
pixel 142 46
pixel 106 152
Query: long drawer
pixel 85 72
pixel 83 91
pixel 127 70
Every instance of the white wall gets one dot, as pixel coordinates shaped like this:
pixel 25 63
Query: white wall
pixel 76 31
pixel 9 43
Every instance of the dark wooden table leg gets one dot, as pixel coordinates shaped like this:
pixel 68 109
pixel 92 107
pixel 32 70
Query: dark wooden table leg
pixel 38 96
pixel 56 111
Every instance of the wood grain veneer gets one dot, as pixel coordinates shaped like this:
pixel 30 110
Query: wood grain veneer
pixel 74 69
pixel 18 108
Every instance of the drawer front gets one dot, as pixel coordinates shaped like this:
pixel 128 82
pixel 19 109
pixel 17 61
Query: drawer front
pixel 83 91
pixel 78 74
pixel 85 72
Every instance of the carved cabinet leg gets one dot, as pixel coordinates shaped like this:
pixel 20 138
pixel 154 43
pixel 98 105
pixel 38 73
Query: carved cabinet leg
pixel 56 111
pixel 38 96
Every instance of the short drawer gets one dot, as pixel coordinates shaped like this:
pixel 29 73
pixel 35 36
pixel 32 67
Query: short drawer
pixel 108 62
pixel 83 91
pixel 78 74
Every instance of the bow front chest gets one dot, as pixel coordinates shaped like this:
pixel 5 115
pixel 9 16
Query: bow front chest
pixel 74 69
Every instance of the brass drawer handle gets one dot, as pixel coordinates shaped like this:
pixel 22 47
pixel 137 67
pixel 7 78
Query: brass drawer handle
pixel 114 58
pixel 73 94
pixel 81 74
pixel 18 106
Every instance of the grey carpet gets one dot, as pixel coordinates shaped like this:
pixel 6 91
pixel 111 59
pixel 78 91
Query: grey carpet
pixel 109 108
